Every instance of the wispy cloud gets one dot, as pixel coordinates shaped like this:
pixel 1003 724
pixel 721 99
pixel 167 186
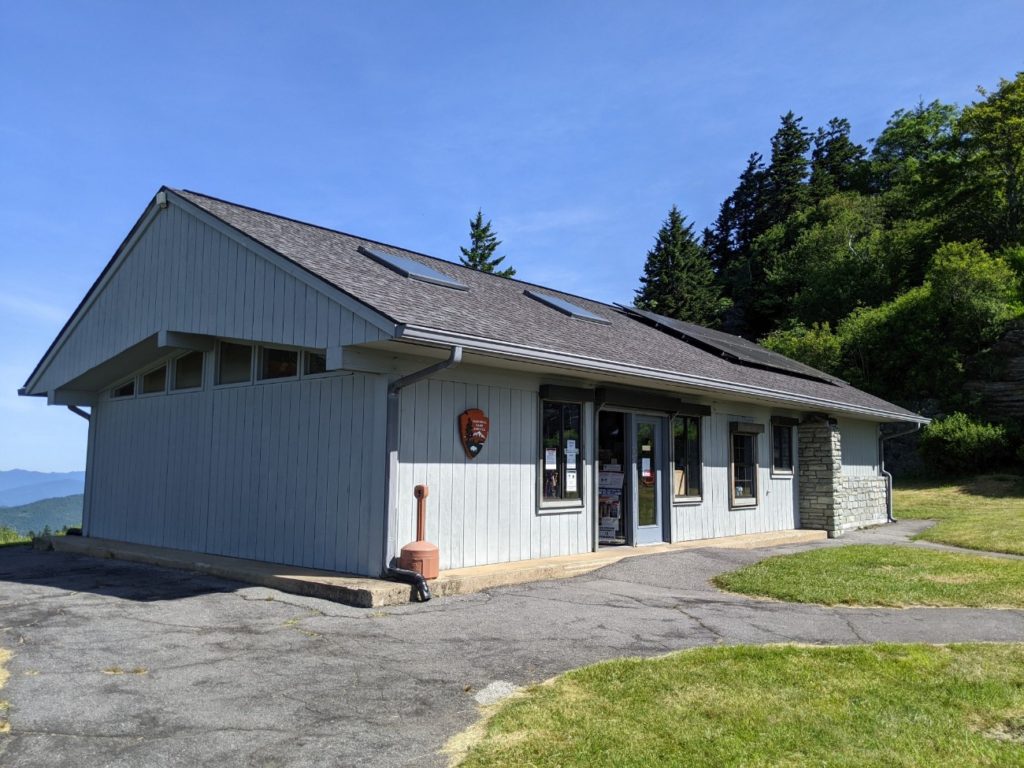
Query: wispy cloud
pixel 33 309
pixel 540 222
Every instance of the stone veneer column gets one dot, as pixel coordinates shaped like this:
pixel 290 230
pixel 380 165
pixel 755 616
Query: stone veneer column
pixel 829 500
pixel 820 463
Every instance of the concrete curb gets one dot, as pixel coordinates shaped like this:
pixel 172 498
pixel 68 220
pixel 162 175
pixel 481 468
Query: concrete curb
pixel 363 592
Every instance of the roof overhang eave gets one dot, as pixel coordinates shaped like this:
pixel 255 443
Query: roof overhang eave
pixel 495 348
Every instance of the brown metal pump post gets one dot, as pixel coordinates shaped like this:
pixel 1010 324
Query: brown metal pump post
pixel 421 556
pixel 421 494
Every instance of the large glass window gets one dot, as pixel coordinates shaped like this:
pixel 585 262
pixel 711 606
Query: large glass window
pixel 234 363
pixel 744 468
pixel 155 381
pixel 278 363
pixel 562 451
pixel 188 371
pixel 686 456
pixel 782 448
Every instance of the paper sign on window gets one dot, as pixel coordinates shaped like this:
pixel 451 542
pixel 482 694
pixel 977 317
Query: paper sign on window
pixel 551 459
pixel 570 482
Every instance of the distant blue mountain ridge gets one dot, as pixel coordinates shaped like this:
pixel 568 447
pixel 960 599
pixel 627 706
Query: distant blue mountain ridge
pixel 21 486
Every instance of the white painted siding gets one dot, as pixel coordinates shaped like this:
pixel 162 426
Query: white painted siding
pixel 288 472
pixel 859 441
pixel 484 510
pixel 184 275
pixel 776 509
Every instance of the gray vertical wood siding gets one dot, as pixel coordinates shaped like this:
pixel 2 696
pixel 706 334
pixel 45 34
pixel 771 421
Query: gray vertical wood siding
pixel 287 472
pixel 859 442
pixel 184 275
pixel 777 508
pixel 484 510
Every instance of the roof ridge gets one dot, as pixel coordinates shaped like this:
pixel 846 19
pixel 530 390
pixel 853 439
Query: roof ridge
pixel 610 305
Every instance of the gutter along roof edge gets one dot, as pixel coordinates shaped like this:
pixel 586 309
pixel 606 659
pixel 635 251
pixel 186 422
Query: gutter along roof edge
pixel 506 349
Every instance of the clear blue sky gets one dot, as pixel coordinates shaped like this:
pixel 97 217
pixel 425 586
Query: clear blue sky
pixel 574 125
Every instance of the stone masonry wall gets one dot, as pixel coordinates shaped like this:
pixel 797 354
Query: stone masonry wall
pixel 820 462
pixel 829 500
pixel 860 502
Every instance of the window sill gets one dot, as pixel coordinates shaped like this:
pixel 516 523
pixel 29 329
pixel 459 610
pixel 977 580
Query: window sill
pixel 687 501
pixel 783 473
pixel 560 508
pixel 743 504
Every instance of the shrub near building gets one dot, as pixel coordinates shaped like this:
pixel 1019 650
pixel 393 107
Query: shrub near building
pixel 958 445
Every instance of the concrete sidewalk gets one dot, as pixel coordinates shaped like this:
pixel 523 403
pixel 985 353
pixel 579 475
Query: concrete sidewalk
pixel 365 592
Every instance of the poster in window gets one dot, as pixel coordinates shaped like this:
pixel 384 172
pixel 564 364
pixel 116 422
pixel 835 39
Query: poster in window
pixel 551 459
pixel 609 502
pixel 645 467
pixel 570 481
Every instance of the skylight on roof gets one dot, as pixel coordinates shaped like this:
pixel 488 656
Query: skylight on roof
pixel 412 269
pixel 566 307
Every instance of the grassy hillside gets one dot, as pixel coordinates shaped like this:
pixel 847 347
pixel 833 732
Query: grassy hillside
pixel 55 513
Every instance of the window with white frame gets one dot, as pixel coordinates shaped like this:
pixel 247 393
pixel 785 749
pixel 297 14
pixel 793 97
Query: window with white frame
pixel 277 363
pixel 188 371
pixel 314 363
pixel 155 382
pixel 127 389
pixel 234 363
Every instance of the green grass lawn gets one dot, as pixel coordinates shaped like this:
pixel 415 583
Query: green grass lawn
pixel 872 574
pixel 880 705
pixel 984 513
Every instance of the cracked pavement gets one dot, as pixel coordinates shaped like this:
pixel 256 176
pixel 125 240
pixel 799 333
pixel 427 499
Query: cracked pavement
pixel 120 664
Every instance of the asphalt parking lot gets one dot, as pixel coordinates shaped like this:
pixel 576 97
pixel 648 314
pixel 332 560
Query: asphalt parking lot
pixel 119 664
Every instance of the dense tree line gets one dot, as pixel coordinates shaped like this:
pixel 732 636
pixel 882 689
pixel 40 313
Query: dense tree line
pixel 893 265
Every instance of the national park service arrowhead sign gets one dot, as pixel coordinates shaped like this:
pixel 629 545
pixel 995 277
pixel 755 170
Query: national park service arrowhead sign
pixel 473 426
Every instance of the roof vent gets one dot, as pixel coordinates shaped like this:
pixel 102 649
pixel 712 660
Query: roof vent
pixel 412 269
pixel 566 307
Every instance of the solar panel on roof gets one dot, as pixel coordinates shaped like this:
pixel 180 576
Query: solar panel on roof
pixel 413 269
pixel 734 348
pixel 566 307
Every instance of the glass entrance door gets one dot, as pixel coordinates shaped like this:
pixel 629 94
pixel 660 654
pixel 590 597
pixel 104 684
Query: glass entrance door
pixel 648 456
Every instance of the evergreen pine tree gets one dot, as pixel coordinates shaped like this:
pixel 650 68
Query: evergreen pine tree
pixel 741 219
pixel 837 164
pixel 678 280
pixel 750 205
pixel 787 172
pixel 482 245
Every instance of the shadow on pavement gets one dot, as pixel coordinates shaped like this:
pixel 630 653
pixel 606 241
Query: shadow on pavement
pixel 21 564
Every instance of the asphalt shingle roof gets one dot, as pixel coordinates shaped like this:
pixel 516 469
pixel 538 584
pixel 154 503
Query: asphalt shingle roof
pixel 496 308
